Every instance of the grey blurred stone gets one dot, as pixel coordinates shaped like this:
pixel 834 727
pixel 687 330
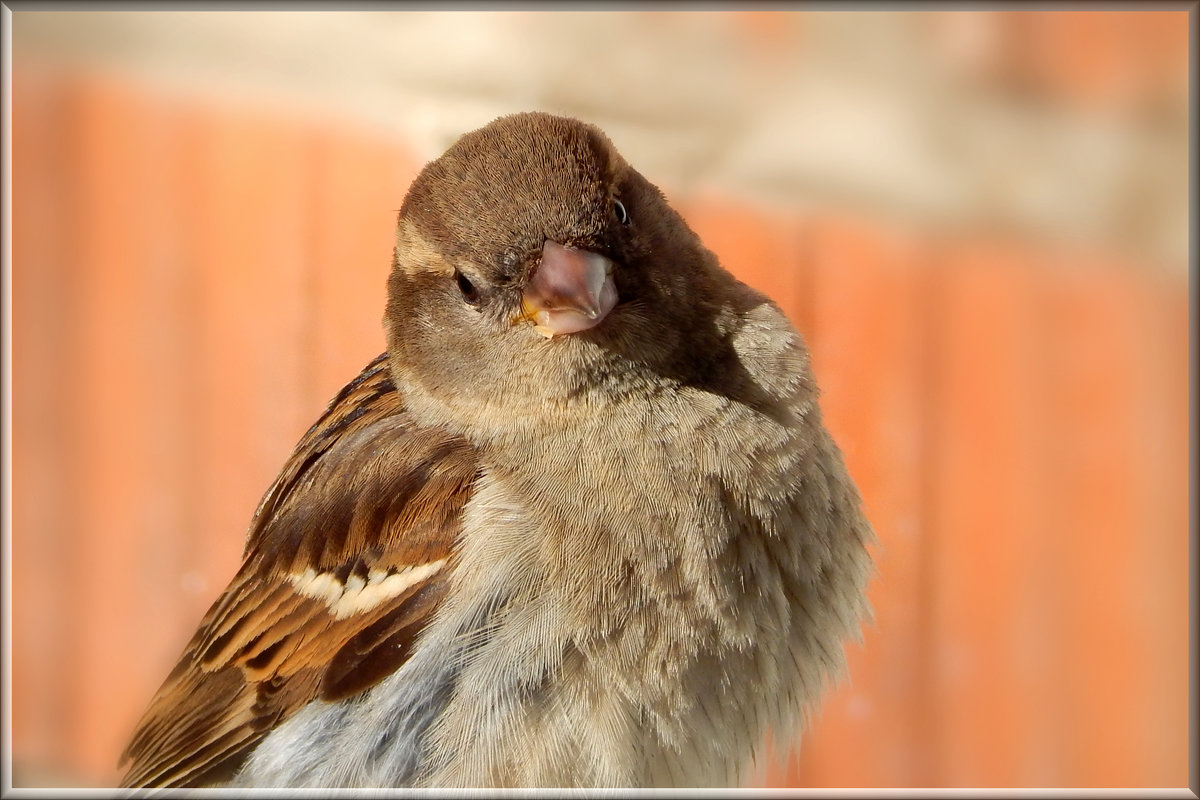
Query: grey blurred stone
pixel 859 113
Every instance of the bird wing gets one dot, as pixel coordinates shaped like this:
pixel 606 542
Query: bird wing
pixel 348 554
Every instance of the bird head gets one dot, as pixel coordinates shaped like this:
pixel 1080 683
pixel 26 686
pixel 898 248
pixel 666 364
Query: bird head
pixel 533 265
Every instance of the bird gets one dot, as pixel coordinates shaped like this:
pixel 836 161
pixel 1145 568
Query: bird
pixel 580 525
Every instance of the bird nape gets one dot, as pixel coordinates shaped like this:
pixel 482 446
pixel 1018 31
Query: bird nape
pixel 580 525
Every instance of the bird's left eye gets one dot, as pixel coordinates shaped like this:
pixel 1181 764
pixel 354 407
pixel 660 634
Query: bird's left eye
pixel 619 210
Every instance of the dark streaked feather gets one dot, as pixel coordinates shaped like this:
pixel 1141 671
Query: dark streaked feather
pixel 366 491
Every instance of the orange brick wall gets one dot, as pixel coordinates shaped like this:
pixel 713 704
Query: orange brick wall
pixel 193 280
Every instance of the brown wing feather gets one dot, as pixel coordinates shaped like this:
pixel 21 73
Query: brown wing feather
pixel 349 552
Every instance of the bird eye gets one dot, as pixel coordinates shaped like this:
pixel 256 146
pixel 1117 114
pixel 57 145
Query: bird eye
pixel 468 290
pixel 622 214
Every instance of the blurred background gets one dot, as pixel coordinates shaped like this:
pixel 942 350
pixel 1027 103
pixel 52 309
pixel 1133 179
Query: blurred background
pixel 977 219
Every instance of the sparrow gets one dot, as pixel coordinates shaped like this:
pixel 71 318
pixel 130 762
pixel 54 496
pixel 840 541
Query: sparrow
pixel 580 525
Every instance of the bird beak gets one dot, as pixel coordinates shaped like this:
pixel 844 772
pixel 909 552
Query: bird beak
pixel 570 290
